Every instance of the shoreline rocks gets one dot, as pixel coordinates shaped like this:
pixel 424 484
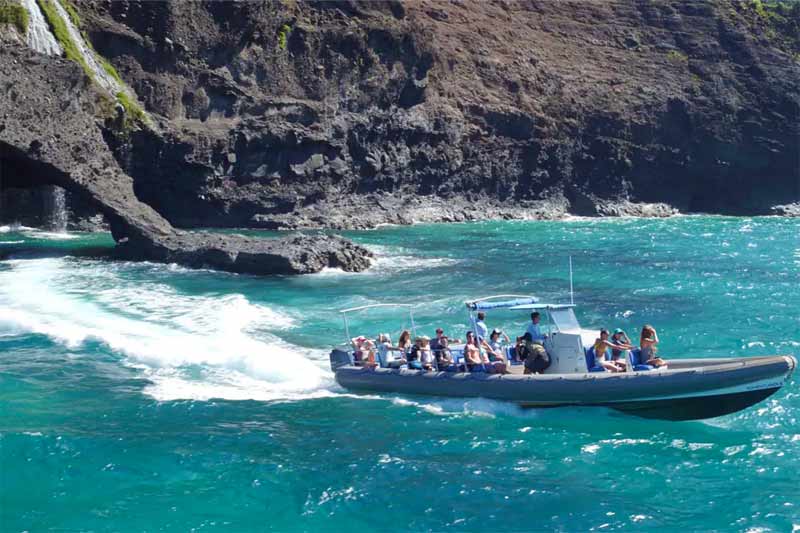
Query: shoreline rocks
pixel 291 255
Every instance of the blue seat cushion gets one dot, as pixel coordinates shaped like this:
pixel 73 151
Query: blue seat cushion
pixel 591 361
pixel 635 357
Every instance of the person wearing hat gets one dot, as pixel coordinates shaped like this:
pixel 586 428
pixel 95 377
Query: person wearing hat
pixel 495 351
pixel 494 344
pixel 619 337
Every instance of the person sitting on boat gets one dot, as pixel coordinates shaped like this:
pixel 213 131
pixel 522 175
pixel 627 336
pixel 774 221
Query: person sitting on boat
pixel 426 357
pixel 444 358
pixel 436 342
pixel 472 354
pixel 648 344
pixel 357 342
pixel 494 355
pixel 477 359
pixel 601 345
pixel 404 342
pixel 534 328
pixel 620 356
pixel 386 358
pixel 480 326
pixel 368 354
pixel 413 356
pixel 495 349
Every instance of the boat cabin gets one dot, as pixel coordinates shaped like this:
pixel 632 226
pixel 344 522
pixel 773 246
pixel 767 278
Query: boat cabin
pixel 566 342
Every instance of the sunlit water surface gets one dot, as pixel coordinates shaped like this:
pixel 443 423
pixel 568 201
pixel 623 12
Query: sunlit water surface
pixel 139 396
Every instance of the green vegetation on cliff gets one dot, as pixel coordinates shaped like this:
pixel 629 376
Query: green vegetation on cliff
pixel 779 20
pixel 61 33
pixel 14 14
pixel 283 36
pixel 134 114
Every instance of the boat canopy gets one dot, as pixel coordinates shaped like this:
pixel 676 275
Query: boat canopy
pixel 488 302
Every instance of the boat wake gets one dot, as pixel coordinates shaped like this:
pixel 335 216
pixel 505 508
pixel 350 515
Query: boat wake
pixel 188 346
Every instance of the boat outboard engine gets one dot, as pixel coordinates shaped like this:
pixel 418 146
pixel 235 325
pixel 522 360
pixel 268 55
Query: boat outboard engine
pixel 340 358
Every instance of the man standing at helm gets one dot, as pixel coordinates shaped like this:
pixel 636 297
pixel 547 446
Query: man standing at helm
pixel 534 328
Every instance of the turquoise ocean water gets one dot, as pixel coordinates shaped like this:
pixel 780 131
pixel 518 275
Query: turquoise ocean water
pixel 148 397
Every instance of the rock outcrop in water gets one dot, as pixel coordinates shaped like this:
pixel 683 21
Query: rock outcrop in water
pixel 49 135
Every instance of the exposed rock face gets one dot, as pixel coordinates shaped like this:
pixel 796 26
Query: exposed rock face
pixel 49 134
pixel 308 114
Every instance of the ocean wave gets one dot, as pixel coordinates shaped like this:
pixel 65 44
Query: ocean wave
pixel 190 347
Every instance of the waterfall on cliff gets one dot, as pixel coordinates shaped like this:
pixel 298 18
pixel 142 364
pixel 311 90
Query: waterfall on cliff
pixel 98 72
pixel 39 37
pixel 56 209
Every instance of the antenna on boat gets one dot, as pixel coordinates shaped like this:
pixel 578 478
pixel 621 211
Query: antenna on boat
pixel 571 293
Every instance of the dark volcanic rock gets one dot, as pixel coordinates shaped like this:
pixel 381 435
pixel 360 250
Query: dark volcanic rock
pixel 300 254
pixel 691 104
pixel 51 133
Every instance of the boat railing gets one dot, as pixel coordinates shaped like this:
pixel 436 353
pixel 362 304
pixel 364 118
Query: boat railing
pixel 344 312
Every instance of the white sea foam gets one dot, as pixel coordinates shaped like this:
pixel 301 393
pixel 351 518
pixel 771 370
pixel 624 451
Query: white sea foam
pixel 49 235
pixel 37 233
pixel 194 347
pixel 13 227
pixel 389 260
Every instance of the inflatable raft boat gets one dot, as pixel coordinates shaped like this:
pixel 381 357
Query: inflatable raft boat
pixel 687 389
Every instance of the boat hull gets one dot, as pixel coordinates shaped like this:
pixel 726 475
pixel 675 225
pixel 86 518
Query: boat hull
pixel 693 389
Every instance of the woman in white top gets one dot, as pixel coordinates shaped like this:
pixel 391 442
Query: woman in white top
pixel 385 356
pixel 426 357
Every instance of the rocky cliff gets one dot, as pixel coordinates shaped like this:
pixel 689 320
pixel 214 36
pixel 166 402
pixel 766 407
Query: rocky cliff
pixel 346 114
pixel 288 114
pixel 51 133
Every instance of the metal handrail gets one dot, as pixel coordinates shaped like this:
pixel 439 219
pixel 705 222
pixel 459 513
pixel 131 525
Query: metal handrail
pixel 499 296
pixel 373 305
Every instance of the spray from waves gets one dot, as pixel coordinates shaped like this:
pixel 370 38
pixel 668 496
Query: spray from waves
pixel 190 347
pixel 391 260
pixel 13 228
pixel 35 233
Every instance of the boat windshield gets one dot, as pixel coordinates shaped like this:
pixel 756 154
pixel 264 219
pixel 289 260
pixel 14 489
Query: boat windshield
pixel 564 319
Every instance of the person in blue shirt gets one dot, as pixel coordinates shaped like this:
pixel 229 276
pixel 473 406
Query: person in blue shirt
pixel 534 328
pixel 481 328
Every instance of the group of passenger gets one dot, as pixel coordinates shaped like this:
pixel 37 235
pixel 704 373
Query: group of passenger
pixel 484 351
pixel 620 345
